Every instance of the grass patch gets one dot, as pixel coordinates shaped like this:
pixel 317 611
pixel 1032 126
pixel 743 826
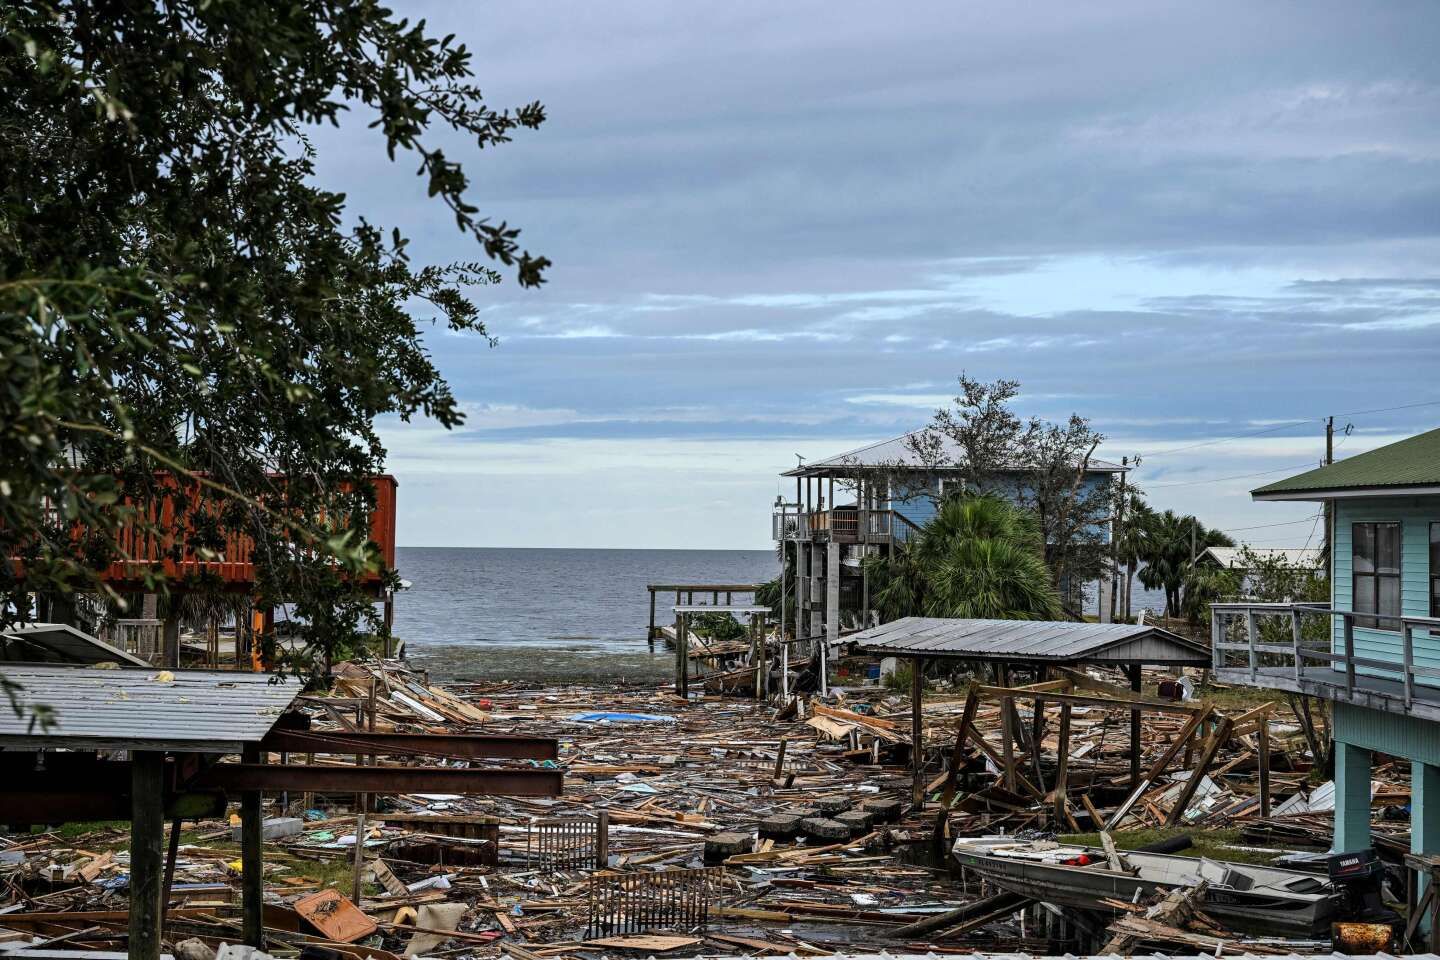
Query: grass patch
pixel 1239 699
pixel 1206 843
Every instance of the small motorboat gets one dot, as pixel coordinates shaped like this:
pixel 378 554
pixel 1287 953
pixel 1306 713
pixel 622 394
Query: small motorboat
pixel 1247 898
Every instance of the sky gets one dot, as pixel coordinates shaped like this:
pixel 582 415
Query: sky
pixel 785 229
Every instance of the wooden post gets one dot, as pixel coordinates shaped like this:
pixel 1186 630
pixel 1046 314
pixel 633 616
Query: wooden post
pixel 602 839
pixel 1262 736
pixel 917 747
pixel 650 633
pixel 170 648
pixel 1134 670
pixel 1062 765
pixel 252 862
pixel 358 876
pixel 780 759
pixel 171 855
pixel 682 656
pixel 147 838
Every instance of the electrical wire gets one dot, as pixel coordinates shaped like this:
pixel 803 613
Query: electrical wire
pixel 1263 526
pixel 1288 424
pixel 1238 476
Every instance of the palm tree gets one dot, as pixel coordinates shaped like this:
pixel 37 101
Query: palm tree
pixel 978 557
pixel 1168 545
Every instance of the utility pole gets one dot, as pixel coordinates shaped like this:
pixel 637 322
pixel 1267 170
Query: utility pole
pixel 1116 532
pixel 1329 504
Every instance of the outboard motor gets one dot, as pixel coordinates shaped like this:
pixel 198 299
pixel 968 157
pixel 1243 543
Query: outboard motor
pixel 1358 876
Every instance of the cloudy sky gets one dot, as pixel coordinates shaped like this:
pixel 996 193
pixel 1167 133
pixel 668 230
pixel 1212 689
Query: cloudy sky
pixel 784 229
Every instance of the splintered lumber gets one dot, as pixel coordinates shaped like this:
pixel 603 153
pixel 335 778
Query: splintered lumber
pixel 1159 767
pixel 983 907
pixel 1207 756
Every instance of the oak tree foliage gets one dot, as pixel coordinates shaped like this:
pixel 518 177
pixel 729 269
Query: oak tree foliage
pixel 179 297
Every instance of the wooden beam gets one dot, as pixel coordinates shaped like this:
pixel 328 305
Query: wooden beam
pixel 1263 739
pixel 1187 733
pixel 1087 700
pixel 957 755
pixel 1134 671
pixel 147 841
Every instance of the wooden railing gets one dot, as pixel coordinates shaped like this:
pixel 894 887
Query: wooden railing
pixel 844 525
pixel 1299 650
pixel 161 541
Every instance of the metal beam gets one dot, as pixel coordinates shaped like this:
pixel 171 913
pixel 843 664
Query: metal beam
pixel 459 746
pixel 299 778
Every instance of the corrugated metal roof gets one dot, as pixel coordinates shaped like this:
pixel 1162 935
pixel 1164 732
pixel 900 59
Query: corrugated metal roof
pixel 1238 558
pixel 197 711
pixel 1413 462
pixel 61 642
pixel 1018 640
pixel 896 453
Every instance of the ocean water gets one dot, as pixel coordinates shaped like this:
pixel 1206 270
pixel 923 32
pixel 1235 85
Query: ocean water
pixel 573 599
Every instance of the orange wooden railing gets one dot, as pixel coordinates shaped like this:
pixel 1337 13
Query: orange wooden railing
pixel 148 545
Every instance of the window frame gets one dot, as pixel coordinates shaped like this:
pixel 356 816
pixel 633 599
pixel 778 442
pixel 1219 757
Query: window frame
pixel 1435 568
pixel 1379 619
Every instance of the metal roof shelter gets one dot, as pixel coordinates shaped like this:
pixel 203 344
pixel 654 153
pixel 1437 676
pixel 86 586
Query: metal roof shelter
pixel 50 642
pixel 1038 644
pixel 1238 558
pixel 195 711
pixel 174 727
pixel 1032 642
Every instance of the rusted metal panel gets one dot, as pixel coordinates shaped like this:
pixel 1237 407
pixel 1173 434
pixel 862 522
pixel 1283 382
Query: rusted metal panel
pixel 479 781
pixel 458 746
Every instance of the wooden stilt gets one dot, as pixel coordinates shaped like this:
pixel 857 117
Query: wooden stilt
pixel 252 863
pixel 917 747
pixel 171 855
pixel 1062 764
pixel 650 633
pixel 682 657
pixel 147 840
pixel 1007 734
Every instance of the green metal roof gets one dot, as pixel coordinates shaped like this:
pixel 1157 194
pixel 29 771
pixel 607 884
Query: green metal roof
pixel 1414 462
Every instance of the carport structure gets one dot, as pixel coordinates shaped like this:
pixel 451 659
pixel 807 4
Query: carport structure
pixel 176 728
pixel 1038 646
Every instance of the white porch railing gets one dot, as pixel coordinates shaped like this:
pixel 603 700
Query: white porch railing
pixel 1300 650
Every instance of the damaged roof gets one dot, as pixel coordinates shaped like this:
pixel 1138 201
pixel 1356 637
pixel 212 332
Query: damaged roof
pixel 1051 641
pixel 183 711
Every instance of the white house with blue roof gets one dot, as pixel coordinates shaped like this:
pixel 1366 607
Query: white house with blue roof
pixel 1374 650
pixel 861 502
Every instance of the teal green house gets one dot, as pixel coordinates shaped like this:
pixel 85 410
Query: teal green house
pixel 1374 650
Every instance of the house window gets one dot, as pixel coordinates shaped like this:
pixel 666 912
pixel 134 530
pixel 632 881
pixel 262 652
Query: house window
pixel 1435 569
pixel 1375 568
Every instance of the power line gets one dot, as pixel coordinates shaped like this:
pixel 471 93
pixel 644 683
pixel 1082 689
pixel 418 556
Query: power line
pixel 1238 476
pixel 1262 526
pixel 1288 424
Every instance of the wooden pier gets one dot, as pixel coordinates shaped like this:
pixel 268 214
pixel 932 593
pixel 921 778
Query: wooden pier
pixel 685 595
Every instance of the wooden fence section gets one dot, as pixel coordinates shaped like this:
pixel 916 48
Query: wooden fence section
pixel 676 899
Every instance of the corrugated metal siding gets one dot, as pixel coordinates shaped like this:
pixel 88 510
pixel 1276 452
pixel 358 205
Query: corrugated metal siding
pixel 1392 733
pixel 1029 639
pixel 199 711
pixel 1415 514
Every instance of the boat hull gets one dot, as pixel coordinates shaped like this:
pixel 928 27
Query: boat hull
pixel 1248 911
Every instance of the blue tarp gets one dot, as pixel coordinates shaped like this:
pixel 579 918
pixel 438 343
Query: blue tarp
pixel 601 716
